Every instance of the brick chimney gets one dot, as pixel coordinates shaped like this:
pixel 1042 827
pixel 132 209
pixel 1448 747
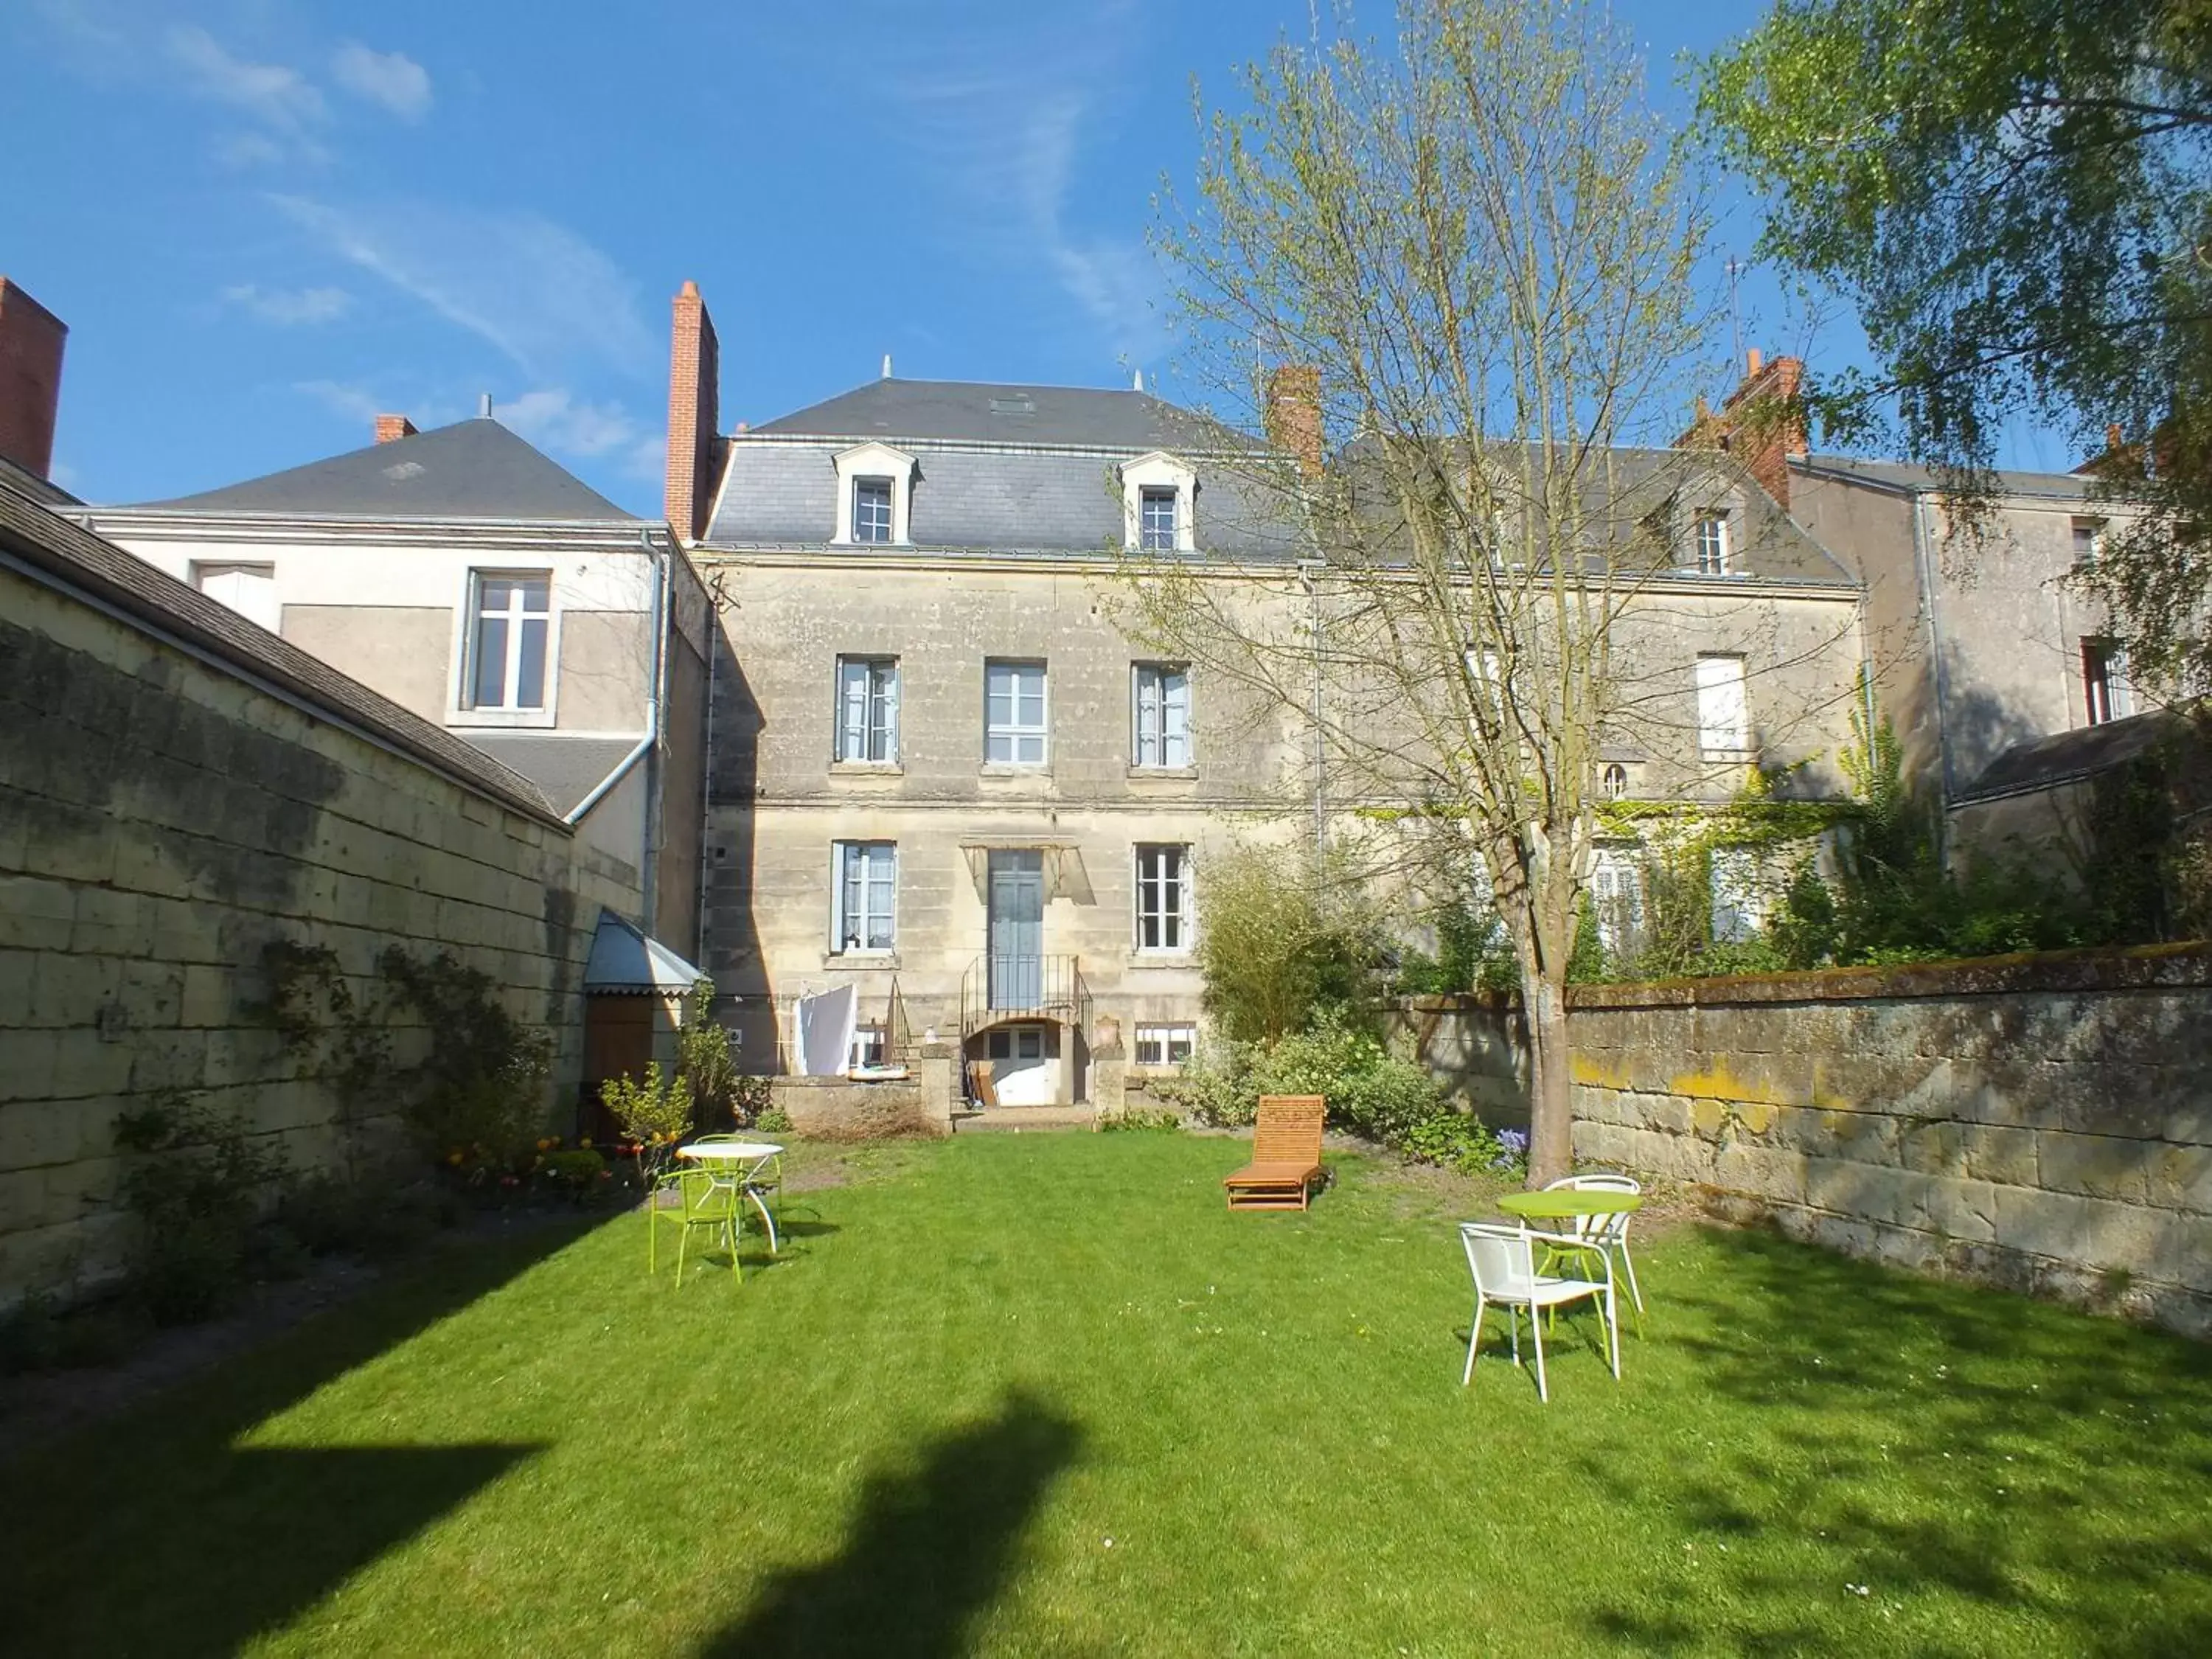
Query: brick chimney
pixel 390 429
pixel 31 340
pixel 694 413
pixel 1293 413
pixel 1761 423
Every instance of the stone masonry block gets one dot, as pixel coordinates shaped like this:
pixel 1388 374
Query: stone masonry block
pixel 34 1133
pixel 2096 1166
pixel 2037 1223
pixel 27 1062
pixel 1963 1209
pixel 86 1064
pixel 36 913
pixel 70 990
pixel 110 923
pixel 1998 1153
pixel 2180 1178
pixel 1936 1148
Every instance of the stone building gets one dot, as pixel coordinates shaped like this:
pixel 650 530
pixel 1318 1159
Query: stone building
pixel 1976 648
pixel 940 773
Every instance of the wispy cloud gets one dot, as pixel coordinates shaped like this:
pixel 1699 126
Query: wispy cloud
pixel 276 95
pixel 391 79
pixel 557 420
pixel 999 128
pixel 533 288
pixel 289 307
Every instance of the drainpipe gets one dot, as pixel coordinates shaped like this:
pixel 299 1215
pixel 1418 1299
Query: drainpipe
pixel 648 746
pixel 1925 559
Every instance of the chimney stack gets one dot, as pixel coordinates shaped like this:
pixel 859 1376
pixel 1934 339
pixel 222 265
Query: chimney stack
pixel 390 429
pixel 694 413
pixel 31 341
pixel 1293 413
pixel 1761 422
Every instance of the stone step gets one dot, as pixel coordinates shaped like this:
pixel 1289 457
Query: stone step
pixel 1015 1119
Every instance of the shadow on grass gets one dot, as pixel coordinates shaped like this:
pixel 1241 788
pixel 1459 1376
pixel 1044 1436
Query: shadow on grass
pixel 196 1545
pixel 929 1551
pixel 2049 1468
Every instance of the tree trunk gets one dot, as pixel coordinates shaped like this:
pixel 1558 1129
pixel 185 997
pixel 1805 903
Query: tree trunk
pixel 1551 1084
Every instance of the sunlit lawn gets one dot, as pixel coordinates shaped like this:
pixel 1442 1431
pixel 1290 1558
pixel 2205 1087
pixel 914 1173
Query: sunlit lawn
pixel 1040 1395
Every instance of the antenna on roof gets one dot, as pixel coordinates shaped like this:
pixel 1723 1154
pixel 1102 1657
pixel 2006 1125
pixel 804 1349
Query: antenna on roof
pixel 887 365
pixel 1139 384
pixel 483 407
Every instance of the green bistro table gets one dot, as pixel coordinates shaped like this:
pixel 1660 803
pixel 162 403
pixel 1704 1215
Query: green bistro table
pixel 1567 1202
pixel 1573 1204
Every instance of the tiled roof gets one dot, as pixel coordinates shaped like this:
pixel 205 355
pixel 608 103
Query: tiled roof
pixel 2063 757
pixel 1902 475
pixel 965 411
pixel 165 605
pixel 565 768
pixel 471 470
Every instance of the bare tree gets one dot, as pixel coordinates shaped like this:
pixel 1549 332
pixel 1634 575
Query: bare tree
pixel 1479 251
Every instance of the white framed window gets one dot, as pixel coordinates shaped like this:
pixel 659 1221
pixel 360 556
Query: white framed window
pixel 1166 1045
pixel 1713 542
pixel 871 1046
pixel 867 708
pixel 1156 515
pixel 248 589
pixel 1614 780
pixel 864 908
pixel 1015 715
pixel 875 496
pixel 1616 896
pixel 2105 686
pixel 1160 714
pixel 872 509
pixel 1739 904
pixel 1159 496
pixel 1724 721
pixel 1163 899
pixel 510 629
pixel 2088 540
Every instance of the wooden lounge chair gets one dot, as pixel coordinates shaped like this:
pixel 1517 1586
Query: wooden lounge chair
pixel 1285 1155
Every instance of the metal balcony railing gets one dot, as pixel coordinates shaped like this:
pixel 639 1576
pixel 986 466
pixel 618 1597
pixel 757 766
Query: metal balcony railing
pixel 1002 987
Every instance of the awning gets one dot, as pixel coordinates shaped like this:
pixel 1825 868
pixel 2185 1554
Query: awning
pixel 1065 876
pixel 624 961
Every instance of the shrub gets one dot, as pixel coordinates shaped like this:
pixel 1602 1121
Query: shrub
pixel 1140 1118
pixel 775 1120
pixel 1288 937
pixel 482 1085
pixel 653 1113
pixel 752 1104
pixel 704 1061
pixel 578 1174
pixel 197 1182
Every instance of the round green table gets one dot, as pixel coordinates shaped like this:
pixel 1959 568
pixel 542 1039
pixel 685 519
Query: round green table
pixel 1562 1202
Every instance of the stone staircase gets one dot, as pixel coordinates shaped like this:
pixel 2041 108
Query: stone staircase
pixel 1016 1119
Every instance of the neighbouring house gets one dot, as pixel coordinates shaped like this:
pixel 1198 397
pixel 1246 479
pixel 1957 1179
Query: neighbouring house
pixel 477 583
pixel 942 775
pixel 1977 647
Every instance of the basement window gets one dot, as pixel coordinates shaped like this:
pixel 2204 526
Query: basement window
pixel 1166 1045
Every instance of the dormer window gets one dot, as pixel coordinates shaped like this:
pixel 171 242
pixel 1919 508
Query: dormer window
pixel 1158 499
pixel 875 493
pixel 1713 543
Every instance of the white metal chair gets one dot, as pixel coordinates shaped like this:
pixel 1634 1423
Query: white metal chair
pixel 1604 1233
pixel 1504 1263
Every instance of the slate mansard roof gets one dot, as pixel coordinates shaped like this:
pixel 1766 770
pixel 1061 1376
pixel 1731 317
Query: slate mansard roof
pixel 1004 469
pixel 471 470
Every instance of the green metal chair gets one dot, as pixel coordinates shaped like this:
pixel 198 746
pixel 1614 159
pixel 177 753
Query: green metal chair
pixel 717 1205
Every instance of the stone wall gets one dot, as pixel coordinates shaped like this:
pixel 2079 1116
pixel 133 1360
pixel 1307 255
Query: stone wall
pixel 2039 1124
pixel 1472 1044
pixel 171 804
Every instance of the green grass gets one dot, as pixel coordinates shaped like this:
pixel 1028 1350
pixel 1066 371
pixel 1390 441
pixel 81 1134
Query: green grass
pixel 981 1361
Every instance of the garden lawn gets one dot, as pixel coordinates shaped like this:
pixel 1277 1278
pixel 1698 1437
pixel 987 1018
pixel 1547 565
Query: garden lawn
pixel 1041 1394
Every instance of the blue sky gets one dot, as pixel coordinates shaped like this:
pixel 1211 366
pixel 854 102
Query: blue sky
pixel 266 221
